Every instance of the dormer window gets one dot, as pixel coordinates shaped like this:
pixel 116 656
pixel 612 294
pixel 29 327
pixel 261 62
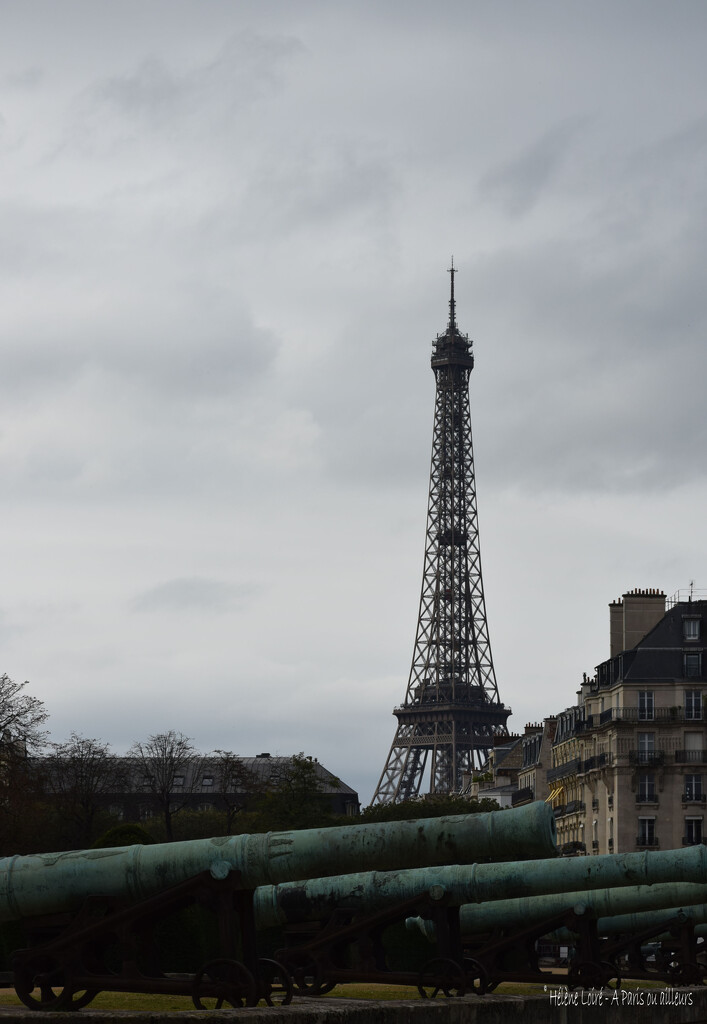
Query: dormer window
pixel 691 629
pixel 692 666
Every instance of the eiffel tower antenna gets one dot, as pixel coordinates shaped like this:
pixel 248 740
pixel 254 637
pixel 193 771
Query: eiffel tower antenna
pixel 451 710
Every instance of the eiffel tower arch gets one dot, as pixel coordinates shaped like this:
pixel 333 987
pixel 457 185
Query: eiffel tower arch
pixel 451 709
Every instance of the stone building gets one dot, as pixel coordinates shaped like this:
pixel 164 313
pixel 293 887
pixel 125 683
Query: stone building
pixel 642 740
pixel 625 768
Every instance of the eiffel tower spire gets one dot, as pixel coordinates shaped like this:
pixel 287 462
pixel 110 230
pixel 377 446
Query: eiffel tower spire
pixel 451 709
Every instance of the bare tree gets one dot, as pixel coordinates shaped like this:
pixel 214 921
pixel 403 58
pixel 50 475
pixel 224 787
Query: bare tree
pixel 21 716
pixel 236 786
pixel 78 774
pixel 171 768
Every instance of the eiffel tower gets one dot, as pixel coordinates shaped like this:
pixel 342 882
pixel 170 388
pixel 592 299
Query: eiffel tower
pixel 451 709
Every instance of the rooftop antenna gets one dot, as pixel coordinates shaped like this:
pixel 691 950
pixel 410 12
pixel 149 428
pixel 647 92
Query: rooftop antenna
pixel 692 587
pixel 452 306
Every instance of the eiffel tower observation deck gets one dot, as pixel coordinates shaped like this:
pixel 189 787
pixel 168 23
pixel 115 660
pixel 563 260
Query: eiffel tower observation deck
pixel 451 711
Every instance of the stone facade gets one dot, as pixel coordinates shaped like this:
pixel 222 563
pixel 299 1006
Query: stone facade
pixel 628 764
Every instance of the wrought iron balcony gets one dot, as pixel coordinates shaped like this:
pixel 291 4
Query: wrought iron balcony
pixel 691 756
pixel 653 757
pixel 523 796
pixel 573 847
pixel 694 798
pixel 597 761
pixel 647 844
pixel 686 841
pixel 562 771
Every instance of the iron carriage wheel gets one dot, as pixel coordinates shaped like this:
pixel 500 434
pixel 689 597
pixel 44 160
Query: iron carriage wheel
pixel 590 974
pixel 47 973
pixel 686 974
pixel 275 983
pixel 307 972
pixel 442 975
pixel 225 981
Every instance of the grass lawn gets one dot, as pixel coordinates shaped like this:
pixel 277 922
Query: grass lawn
pixel 134 1001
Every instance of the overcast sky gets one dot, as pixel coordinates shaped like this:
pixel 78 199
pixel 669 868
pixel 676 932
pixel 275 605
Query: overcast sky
pixel 225 234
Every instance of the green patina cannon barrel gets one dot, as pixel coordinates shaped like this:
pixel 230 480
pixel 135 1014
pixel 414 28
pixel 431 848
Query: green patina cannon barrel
pixel 45 883
pixel 630 923
pixel 317 898
pixel 606 904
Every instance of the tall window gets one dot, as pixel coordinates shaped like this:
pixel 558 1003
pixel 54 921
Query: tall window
pixel 693 831
pixel 645 705
pixel 691 629
pixel 693 787
pixel 646 788
pixel 692 665
pixel 646 747
pixel 646 832
pixel 693 704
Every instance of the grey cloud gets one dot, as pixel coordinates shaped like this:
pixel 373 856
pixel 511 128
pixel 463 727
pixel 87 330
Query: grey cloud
pixel 520 182
pixel 609 398
pixel 195 593
pixel 317 185
pixel 26 79
pixel 175 103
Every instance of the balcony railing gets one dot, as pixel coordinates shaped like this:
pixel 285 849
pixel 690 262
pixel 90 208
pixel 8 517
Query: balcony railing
pixel 523 796
pixel 694 798
pixel 654 757
pixel 687 841
pixel 597 761
pixel 573 847
pixel 646 798
pixel 691 756
pixel 672 714
pixel 574 806
pixel 561 771
pixel 647 843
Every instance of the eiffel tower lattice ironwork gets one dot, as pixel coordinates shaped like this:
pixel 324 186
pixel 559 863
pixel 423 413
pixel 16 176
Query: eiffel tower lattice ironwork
pixel 451 709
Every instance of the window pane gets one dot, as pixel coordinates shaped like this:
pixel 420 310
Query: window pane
pixel 693 704
pixel 691 629
pixel 645 704
pixel 691 666
pixel 693 787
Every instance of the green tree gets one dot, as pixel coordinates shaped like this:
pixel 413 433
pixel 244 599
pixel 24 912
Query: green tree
pixel 126 834
pixel 430 807
pixel 297 794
